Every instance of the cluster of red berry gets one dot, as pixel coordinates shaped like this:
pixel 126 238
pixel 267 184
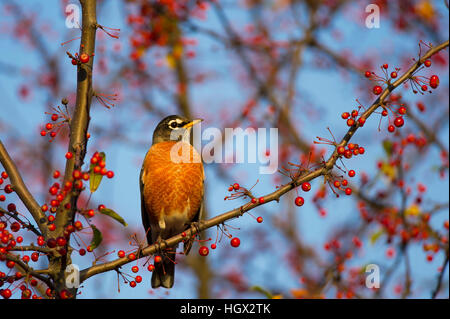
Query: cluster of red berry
pixel 7 189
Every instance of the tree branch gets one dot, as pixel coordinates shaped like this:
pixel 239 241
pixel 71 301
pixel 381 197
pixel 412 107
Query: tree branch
pixel 80 119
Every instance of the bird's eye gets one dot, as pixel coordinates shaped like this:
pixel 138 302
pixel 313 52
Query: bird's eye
pixel 173 124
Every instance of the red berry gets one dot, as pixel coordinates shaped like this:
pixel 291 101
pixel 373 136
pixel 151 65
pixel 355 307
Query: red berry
pixel 434 81
pixel 377 90
pixel 203 251
pixel 384 113
pixel 84 58
pixel 15 227
pixel 424 88
pixel 69 155
pixel 427 63
pixel 362 121
pixel 350 122
pixel 306 187
pixel 236 186
pixel 348 153
pixel 49 292
pixel 348 191
pixel 399 121
pixel 138 279
pixel 402 110
pixel 54 117
pixel 132 256
pixel 390 252
pixel 56 174
pixel 254 200
pixel 121 254
pixel 78 225
pixel 150 267
pixel 43 133
pixel 213 246
pixel 6 293
pixel 61 241
pixel 391 128
pixel 344 182
pixel 82 252
pixel 393 75
pixel 235 242
pixel 351 173
pixel 8 189
pixel 157 259
pixel 132 284
pixel 261 200
pixel 135 269
pixel 299 201
pixel 35 256
pixel 341 150
pixel 385 66
pixel 367 74
pixel 259 219
pixel 91 213
pixel 110 174
pixel 345 115
pixel 51 243
pixel 5 175
pixel 76 174
pixel 74 62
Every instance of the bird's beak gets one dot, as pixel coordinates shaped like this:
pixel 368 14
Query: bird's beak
pixel 192 123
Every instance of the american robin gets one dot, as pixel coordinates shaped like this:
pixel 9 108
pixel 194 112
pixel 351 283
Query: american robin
pixel 171 192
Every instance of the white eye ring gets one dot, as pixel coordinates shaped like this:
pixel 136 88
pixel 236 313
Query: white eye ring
pixel 173 124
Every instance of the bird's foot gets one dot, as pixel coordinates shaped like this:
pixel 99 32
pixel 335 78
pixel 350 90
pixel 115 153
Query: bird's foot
pixel 159 242
pixel 196 226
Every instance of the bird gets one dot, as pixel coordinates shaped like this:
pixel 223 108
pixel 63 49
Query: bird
pixel 171 192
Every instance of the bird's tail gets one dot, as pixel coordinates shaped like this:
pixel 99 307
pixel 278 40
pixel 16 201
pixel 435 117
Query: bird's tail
pixel 164 272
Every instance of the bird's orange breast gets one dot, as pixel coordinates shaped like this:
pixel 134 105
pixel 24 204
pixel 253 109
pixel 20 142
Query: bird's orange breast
pixel 171 187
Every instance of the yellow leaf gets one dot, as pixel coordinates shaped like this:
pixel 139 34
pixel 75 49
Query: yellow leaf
pixel 170 61
pixel 412 210
pixel 375 236
pixel 389 170
pixel 425 9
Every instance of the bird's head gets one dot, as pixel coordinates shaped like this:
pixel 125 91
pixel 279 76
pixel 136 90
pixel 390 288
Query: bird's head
pixel 173 128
